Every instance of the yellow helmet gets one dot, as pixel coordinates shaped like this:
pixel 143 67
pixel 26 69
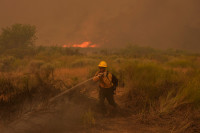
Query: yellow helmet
pixel 102 64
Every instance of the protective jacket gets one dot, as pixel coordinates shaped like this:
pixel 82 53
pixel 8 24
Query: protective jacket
pixel 105 81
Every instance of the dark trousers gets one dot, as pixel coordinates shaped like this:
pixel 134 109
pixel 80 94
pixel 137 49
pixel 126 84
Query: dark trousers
pixel 106 93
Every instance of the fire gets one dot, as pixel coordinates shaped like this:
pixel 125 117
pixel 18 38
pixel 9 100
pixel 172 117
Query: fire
pixel 65 46
pixel 82 45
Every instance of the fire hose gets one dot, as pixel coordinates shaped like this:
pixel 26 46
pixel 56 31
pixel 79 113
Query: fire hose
pixel 68 90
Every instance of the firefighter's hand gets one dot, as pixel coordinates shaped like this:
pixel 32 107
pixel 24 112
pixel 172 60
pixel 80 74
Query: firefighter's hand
pixel 100 75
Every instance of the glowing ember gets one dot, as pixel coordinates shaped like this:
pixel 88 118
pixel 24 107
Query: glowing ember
pixel 82 45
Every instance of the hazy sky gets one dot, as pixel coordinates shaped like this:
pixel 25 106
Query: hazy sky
pixel 159 23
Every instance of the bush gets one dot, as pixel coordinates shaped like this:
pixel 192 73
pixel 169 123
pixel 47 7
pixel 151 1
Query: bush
pixel 34 66
pixel 189 94
pixel 6 63
pixel 147 82
pixel 20 52
pixel 193 92
pixel 18 36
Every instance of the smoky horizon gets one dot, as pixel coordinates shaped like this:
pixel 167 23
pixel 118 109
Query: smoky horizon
pixel 113 23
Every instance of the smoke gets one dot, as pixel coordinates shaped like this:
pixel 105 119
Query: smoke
pixel 163 24
pixel 66 114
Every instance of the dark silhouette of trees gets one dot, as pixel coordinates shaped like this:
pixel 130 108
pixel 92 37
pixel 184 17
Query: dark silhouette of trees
pixel 18 36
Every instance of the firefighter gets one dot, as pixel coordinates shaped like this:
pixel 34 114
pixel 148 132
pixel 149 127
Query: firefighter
pixel 106 90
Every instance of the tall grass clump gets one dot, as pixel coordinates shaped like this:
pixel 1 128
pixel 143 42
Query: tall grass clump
pixel 13 93
pixel 192 92
pixel 187 95
pixel 89 119
pixel 146 82
pixel 22 91
pixel 154 86
pixel 181 63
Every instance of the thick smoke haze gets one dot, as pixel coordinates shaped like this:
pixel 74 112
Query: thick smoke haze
pixel 157 23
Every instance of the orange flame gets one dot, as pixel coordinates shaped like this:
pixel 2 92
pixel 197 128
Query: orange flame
pixel 65 46
pixel 82 45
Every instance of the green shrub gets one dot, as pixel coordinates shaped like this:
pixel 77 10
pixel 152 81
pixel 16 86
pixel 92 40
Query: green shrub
pixel 18 35
pixel 6 63
pixel 189 94
pixel 149 81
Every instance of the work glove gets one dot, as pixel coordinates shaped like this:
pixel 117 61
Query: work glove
pixel 100 74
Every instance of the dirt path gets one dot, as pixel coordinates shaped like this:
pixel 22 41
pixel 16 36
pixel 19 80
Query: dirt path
pixel 67 116
pixel 62 122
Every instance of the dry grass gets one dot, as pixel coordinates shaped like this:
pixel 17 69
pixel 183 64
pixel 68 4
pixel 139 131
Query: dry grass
pixel 64 73
pixel 70 76
pixel 89 119
pixel 154 86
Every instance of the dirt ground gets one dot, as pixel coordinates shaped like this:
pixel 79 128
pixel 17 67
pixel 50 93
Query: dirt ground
pixel 67 116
